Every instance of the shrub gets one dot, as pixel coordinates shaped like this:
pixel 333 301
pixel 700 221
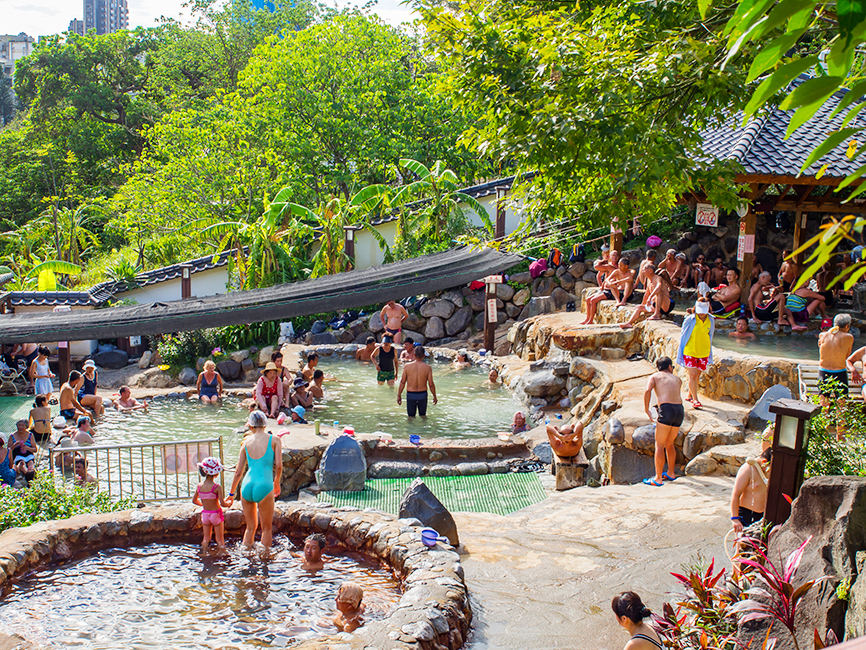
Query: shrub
pixel 832 454
pixel 44 501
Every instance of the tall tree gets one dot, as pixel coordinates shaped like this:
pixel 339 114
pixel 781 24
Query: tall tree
pixel 7 99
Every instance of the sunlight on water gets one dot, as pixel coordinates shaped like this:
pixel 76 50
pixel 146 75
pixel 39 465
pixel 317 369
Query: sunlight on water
pixel 800 346
pixel 173 596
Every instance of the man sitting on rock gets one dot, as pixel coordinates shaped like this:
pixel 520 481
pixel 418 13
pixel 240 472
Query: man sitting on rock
pixel 727 298
pixel 656 300
pixel 566 441
pixel 614 287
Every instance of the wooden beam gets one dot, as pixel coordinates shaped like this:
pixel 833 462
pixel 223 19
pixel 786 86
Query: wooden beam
pixel 756 190
pixel 801 198
pixel 785 179
pixel 747 227
pixel 828 208
pixel 799 227
pixel 782 195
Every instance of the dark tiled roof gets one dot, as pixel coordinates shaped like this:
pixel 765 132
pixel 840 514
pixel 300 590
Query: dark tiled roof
pixel 760 146
pixel 105 291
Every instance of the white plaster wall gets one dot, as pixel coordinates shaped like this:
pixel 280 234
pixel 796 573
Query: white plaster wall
pixel 204 283
pixel 513 214
pixel 367 251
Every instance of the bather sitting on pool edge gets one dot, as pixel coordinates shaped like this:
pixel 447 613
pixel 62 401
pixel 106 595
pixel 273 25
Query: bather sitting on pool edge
pixel 566 441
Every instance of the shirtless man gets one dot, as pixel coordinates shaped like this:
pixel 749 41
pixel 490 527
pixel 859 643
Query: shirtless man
pixel 316 388
pixel 393 316
pixel 126 402
pixel 417 377
pixel 717 273
pixel 651 256
pixel 762 303
pixel 312 362
pixel 856 376
pixel 742 332
pixel 301 397
pixel 749 496
pixel 699 271
pixel 668 263
pixel 70 407
pixel 386 361
pixel 656 300
pixel 366 353
pixel 609 289
pixel 313 546
pixel 83 435
pixel 407 354
pixel 834 349
pixel 788 272
pixel 670 413
pixel 722 299
pixel 607 264
pixel 681 272
pixel 566 441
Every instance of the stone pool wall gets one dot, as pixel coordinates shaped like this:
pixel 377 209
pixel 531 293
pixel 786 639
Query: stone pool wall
pixel 433 612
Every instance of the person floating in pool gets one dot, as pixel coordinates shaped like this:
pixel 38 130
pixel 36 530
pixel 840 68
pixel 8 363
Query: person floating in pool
pixel 126 402
pixel 386 362
pixel 349 608
pixel 313 547
pixel 366 353
pixel 392 316
pixel 742 332
pixel 417 377
pixel 209 495
pixel 262 454
pixel 493 378
pixel 209 384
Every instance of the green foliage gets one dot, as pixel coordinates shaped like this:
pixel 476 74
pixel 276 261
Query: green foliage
pixel 44 501
pixel 843 589
pixel 837 439
pixel 184 348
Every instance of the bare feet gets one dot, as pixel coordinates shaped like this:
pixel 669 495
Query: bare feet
pixel 625 326
pixel 654 318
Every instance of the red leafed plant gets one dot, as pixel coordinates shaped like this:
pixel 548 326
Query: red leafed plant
pixel 780 598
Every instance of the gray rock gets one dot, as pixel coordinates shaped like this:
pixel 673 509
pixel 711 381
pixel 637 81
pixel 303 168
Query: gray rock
pixel 521 297
pixel 593 434
pixel 477 300
pixel 543 286
pixel 414 322
pixel 361 339
pixel 625 466
pixel 344 336
pixel 644 438
pixel 471 469
pixel 441 308
pixel 318 327
pixel 577 269
pixel 187 377
pixel 702 465
pixel 608 406
pixel 459 321
pixel 247 365
pixel 393 469
pixel 521 278
pixel 357 326
pixel 325 338
pixel 264 356
pixel 144 362
pixel 612 354
pixel 351 349
pixel 504 292
pixel 376 325
pixel 199 364
pixel 615 434
pixel 544 452
pixel 590 277
pixel 541 384
pixel 512 310
pixel 240 355
pixel 419 502
pixel 343 466
pixel 501 317
pixel 549 273
pixel 454 296
pixel 855 618
pixel 435 328
pixel 415 336
pixel 229 370
pixel 536 307
pixel 567 281
pixel 760 413
pixel 694 444
pixel 593 472
pixel 112 359
pixel 560 298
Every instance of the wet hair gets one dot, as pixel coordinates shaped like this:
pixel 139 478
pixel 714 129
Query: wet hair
pixel 842 320
pixel 767 454
pixel 45 352
pixel 257 420
pixel 419 352
pixel 664 363
pixel 123 389
pixel 387 339
pixel 40 401
pixel 370 340
pixel 74 376
pixel 276 355
pixel 318 373
pixel 408 339
pixel 629 604
pixel 739 318
pixel 734 269
pixel 319 539
pixel 312 356
pixel 651 254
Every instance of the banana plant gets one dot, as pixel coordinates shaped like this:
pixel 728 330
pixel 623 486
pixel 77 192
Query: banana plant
pixel 41 276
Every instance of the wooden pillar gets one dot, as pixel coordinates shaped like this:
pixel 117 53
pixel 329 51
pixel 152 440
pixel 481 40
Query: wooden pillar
pixel 615 239
pixel 185 281
pixel 491 318
pixel 64 360
pixel 499 232
pixel 349 245
pixel 799 228
pixel 747 230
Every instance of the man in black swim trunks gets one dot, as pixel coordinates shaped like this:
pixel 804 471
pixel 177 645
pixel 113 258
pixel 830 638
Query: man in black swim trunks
pixel 417 377
pixel 668 389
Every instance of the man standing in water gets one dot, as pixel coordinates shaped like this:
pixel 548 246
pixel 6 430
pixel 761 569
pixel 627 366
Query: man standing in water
pixel 668 388
pixel 386 361
pixel 417 376
pixel 393 316
pixel 834 348
pixel 366 353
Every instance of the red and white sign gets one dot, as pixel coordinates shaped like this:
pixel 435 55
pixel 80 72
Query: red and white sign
pixel 493 279
pixel 707 215
pixel 750 243
pixel 492 316
pixel 741 248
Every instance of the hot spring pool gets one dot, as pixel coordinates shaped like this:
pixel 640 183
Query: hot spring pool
pixel 172 596
pixel 799 346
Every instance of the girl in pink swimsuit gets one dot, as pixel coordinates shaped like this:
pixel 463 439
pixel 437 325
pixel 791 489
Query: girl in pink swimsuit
pixel 210 495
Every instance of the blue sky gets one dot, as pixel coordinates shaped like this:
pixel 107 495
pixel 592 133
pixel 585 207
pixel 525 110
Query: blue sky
pixel 38 19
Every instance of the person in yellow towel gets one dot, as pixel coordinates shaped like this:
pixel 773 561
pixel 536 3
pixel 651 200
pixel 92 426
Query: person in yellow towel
pixel 696 345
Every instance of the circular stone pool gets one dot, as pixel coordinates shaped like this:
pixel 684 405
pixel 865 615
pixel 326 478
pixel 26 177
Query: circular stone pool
pixel 135 579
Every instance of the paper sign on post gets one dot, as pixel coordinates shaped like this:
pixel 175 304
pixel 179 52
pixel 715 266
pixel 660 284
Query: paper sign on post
pixel 706 215
pixel 750 244
pixel 741 248
pixel 493 279
pixel 492 316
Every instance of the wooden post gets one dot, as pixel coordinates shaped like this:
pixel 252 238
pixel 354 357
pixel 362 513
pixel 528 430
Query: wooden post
pixel 799 227
pixel 185 281
pixel 747 230
pixel 349 246
pixel 500 212
pixel 490 316
pixel 64 361
pixel 615 239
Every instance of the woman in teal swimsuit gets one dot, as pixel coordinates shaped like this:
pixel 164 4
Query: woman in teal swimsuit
pixel 261 458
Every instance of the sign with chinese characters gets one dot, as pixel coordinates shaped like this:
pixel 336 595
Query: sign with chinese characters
pixel 492 316
pixel 750 244
pixel 741 248
pixel 707 215
pixel 493 279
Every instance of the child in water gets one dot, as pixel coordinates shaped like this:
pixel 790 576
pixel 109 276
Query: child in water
pixel 209 494
pixel 349 607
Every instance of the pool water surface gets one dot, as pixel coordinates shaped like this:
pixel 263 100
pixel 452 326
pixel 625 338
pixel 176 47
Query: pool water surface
pixel 174 596
pixel 798 346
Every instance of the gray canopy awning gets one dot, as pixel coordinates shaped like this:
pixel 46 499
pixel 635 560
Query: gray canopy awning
pixel 331 293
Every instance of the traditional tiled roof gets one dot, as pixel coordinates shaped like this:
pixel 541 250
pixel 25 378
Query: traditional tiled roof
pixel 101 293
pixel 761 148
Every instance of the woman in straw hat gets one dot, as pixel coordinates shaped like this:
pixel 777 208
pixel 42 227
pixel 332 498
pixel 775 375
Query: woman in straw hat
pixel 269 390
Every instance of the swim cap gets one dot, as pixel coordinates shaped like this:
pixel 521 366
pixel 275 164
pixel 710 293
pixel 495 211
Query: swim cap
pixel 211 466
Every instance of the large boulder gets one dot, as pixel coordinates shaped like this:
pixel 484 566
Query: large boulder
pixel 357 327
pixel 144 362
pixel 454 296
pixel 420 503
pixel 567 281
pixel 376 325
pixel 521 278
pixel 264 356
pixel 459 321
pixel 112 359
pixel 325 338
pixel 229 370
pixel 543 286
pixel 537 306
pixel 188 377
pixel 541 383
pixel 625 466
pixel 521 297
pixel 501 317
pixel 832 511
pixel 416 337
pixel 577 269
pixel 240 355
pixel 438 307
pixel 504 292
pixel 560 298
pixel 477 300
pixel 760 413
pixel 343 466
pixel 414 323
pixel 435 329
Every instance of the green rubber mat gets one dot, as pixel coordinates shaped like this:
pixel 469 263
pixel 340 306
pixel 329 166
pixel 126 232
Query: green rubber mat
pixel 500 494
pixel 12 409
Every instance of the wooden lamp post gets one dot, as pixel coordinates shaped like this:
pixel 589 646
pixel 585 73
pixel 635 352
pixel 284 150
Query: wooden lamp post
pixel 491 318
pixel 790 440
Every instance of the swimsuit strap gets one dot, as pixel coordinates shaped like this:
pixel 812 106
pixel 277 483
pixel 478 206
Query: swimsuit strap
pixel 648 638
